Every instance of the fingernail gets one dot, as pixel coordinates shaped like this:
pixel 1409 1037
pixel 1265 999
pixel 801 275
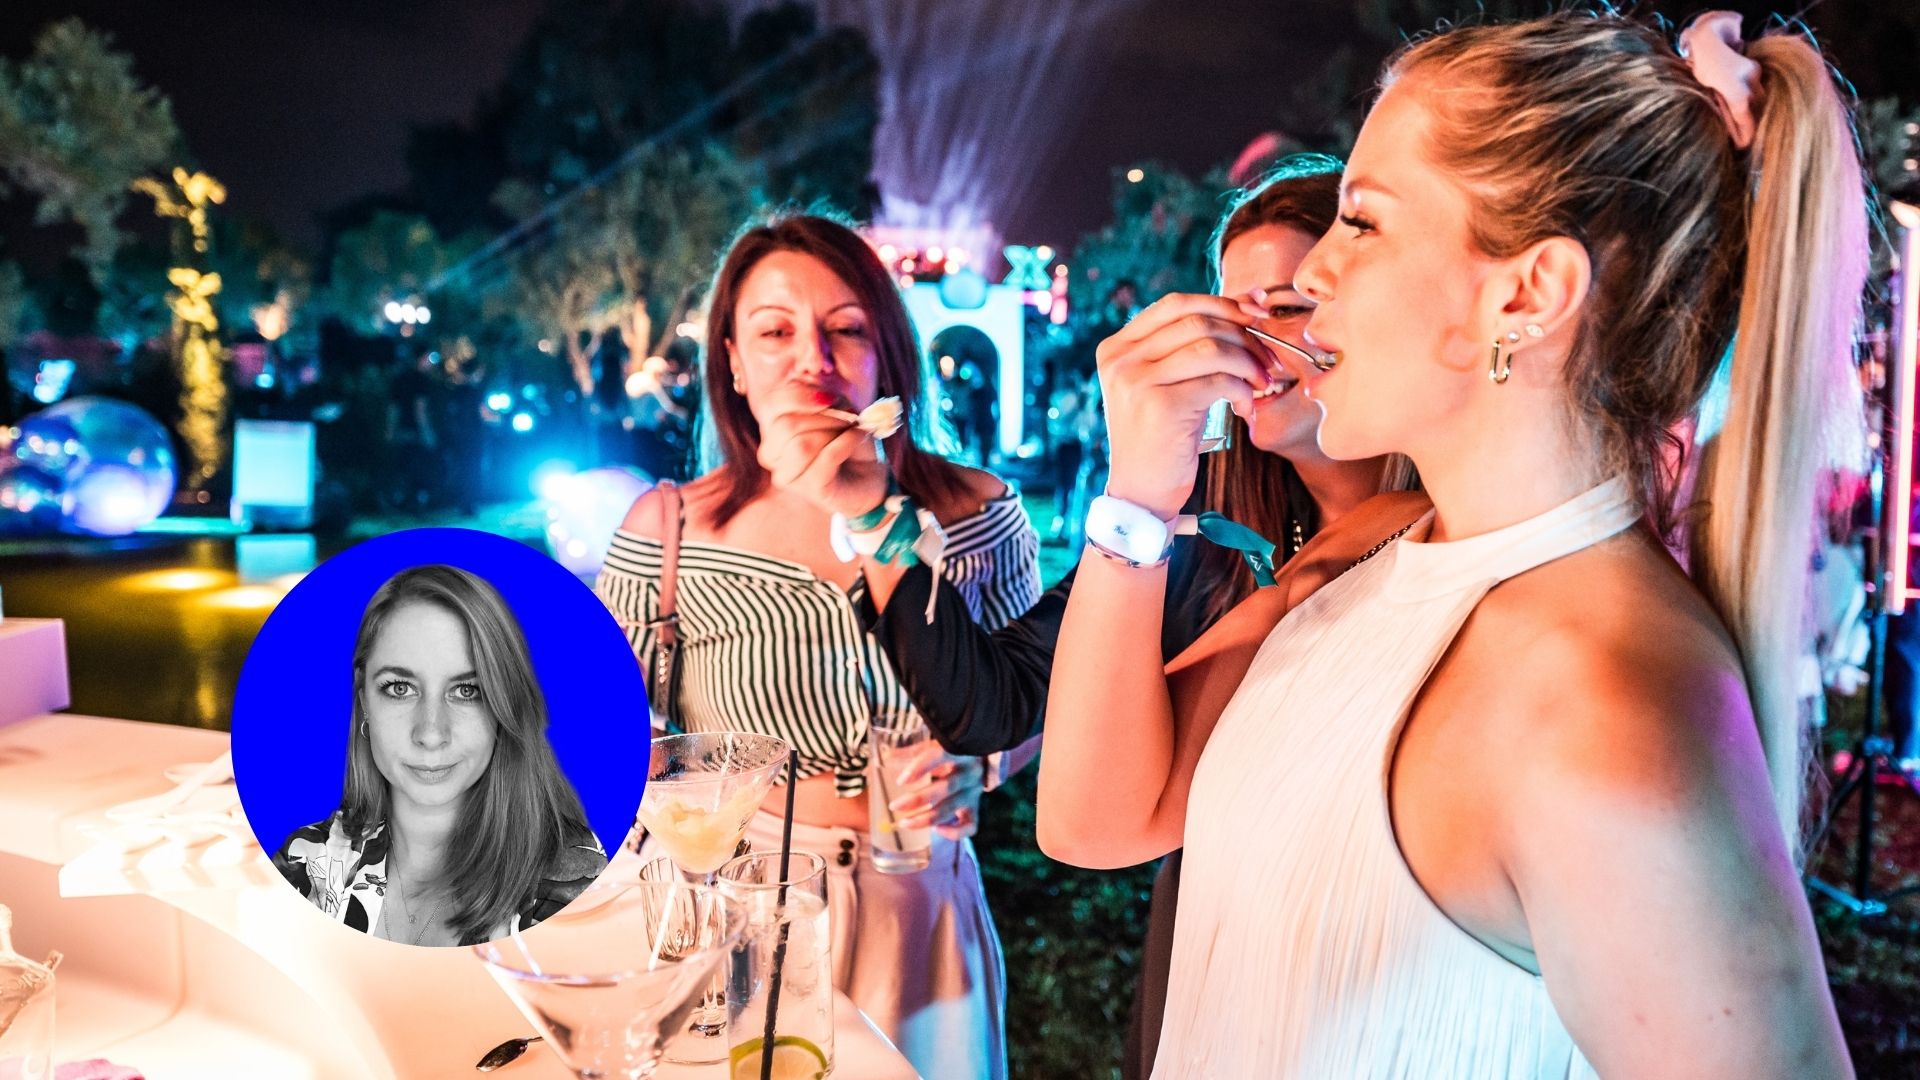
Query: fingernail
pixel 1259 295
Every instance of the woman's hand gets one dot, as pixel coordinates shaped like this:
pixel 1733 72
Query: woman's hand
pixel 831 463
pixel 1159 375
pixel 935 788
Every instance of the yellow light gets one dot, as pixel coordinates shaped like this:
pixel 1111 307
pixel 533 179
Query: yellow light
pixel 1134 176
pixel 243 598
pixel 1043 253
pixel 177 580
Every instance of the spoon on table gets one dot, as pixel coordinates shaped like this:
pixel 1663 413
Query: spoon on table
pixel 505 1054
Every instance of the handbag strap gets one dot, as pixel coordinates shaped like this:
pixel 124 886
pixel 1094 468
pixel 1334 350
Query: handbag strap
pixel 668 623
pixel 663 682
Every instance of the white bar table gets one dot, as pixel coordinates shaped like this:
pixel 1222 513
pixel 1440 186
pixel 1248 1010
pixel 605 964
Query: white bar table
pixel 249 980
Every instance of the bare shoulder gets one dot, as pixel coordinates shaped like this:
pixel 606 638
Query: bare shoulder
pixel 648 515
pixel 1242 628
pixel 1628 806
pixel 978 487
pixel 1641 682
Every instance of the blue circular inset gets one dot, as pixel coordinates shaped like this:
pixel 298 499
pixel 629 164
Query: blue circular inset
pixel 293 709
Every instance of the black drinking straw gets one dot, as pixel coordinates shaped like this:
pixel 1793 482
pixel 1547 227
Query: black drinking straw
pixel 779 910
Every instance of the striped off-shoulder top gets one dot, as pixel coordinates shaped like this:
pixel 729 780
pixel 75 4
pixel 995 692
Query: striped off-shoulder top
pixel 768 647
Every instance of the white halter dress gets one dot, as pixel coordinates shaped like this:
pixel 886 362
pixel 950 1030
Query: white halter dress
pixel 1304 946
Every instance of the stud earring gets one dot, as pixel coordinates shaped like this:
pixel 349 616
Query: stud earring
pixel 1534 331
pixel 1502 366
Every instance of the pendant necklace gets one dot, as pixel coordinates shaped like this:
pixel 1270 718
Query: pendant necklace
pixel 413 930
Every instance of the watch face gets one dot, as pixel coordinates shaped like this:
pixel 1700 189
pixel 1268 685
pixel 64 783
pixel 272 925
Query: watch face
pixel 1127 530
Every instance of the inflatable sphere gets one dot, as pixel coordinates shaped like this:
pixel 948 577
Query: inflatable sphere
pixel 32 500
pixel 51 445
pixel 120 473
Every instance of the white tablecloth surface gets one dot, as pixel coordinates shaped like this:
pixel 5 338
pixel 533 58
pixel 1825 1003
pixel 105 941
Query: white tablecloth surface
pixel 255 958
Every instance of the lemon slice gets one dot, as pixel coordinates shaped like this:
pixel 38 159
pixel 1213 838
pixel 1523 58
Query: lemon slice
pixel 794 1058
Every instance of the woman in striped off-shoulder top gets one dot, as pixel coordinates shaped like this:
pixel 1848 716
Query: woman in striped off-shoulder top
pixel 806 329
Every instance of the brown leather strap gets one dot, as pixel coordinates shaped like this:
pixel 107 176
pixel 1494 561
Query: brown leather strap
pixel 669 626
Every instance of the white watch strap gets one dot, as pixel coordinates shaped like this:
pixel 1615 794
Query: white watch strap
pixel 1132 533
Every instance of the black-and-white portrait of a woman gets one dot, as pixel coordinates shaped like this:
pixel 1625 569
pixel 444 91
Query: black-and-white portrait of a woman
pixel 455 824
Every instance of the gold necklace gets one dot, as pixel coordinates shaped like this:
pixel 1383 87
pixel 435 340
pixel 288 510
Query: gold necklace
pixel 1382 545
pixel 414 933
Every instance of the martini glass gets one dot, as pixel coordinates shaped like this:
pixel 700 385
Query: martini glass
pixel 702 790
pixel 606 979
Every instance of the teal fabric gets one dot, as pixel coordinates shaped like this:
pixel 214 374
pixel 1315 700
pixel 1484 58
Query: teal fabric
pixel 1257 550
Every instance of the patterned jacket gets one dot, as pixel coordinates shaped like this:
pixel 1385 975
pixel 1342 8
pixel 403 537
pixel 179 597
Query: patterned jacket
pixel 346 876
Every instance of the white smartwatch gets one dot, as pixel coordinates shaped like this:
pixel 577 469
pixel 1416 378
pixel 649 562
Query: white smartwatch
pixel 1132 534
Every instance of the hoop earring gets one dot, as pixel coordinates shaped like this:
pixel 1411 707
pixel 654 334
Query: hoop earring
pixel 363 730
pixel 1502 366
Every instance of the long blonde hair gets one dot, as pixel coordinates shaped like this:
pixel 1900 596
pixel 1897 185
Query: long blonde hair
pixel 1589 125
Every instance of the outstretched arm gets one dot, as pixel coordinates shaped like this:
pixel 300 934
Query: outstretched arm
pixel 982 692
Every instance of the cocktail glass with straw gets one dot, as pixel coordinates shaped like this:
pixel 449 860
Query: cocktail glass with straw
pixel 780 997
pixel 605 982
pixel 702 790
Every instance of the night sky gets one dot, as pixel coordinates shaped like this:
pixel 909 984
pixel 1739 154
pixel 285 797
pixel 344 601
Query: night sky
pixel 301 106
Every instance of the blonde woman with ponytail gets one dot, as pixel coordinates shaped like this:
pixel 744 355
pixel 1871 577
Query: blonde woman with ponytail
pixel 1510 793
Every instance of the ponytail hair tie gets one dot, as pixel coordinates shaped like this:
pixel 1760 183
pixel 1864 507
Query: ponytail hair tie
pixel 1712 48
